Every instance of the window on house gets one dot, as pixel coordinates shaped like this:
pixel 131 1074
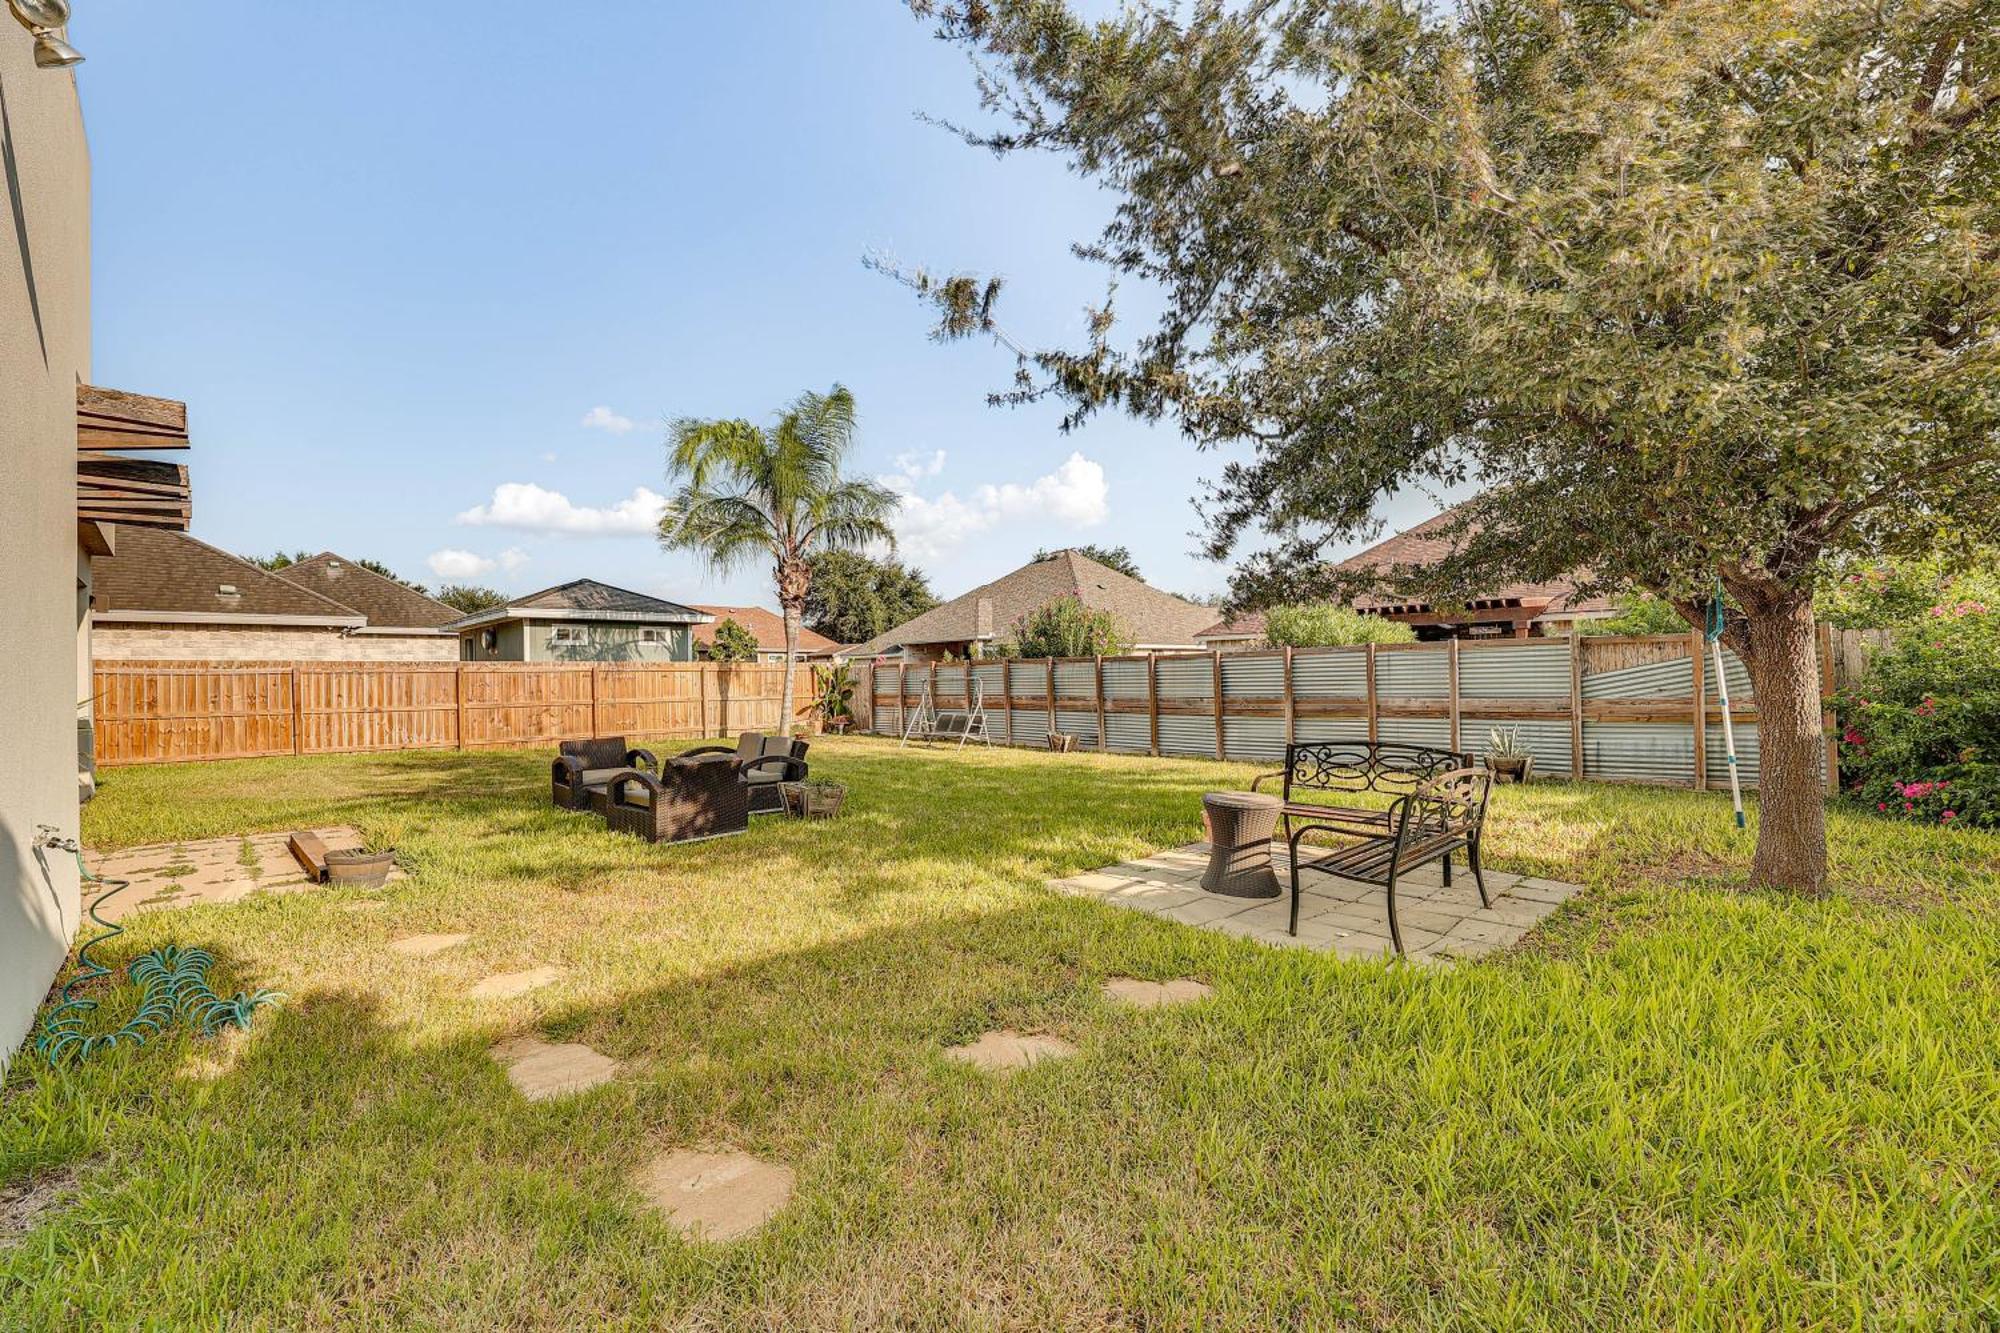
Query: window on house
pixel 568 634
pixel 652 636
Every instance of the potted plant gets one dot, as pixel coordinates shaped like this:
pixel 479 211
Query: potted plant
pixel 835 705
pixel 815 798
pixel 1506 758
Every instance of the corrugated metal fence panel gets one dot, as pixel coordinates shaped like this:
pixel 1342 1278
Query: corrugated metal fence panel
pixel 1076 680
pixel 1028 679
pixel 1031 726
pixel 1654 680
pixel 1338 673
pixel 989 677
pixel 1433 731
pixel 1187 735
pixel 1253 737
pixel 1748 757
pixel 1639 752
pixel 1531 671
pixel 1083 726
pixel 1334 728
pixel 1412 673
pixel 1547 741
pixel 1737 674
pixel 1130 733
pixel 888 718
pixel 1187 678
pixel 1253 676
pixel 1124 678
pixel 951 680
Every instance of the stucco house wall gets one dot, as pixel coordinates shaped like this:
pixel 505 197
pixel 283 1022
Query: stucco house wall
pixel 604 641
pixel 44 355
pixel 136 641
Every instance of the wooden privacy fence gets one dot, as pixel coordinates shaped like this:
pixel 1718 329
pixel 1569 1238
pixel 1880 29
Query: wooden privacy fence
pixel 1616 709
pixel 171 712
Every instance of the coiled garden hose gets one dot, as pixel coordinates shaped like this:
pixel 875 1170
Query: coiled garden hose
pixel 173 985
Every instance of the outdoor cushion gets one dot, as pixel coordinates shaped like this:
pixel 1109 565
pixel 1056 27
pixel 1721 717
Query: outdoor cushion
pixel 597 777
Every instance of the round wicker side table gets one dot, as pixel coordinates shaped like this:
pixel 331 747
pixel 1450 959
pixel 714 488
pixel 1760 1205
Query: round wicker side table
pixel 1240 825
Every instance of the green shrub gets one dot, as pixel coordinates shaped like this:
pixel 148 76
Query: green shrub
pixel 1637 613
pixel 1326 625
pixel 1066 628
pixel 1921 738
pixel 732 643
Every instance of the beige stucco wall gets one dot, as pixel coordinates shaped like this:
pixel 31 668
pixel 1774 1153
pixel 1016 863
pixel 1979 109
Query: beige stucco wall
pixel 122 641
pixel 44 352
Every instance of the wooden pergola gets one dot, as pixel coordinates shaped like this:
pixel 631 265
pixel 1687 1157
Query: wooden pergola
pixel 1485 617
pixel 113 487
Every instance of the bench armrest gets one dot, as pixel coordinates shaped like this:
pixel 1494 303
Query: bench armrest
pixel 1258 781
pixel 706 749
pixel 615 789
pixel 794 770
pixel 642 759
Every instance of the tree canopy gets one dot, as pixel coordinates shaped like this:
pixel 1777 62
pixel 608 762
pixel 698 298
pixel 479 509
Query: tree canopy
pixel 470 597
pixel 1691 293
pixel 1327 625
pixel 854 596
pixel 1113 557
pixel 732 643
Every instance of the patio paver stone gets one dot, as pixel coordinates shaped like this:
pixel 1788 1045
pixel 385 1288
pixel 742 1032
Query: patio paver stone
pixel 423 946
pixel 1138 994
pixel 716 1196
pixel 540 1070
pixel 1006 1050
pixel 506 985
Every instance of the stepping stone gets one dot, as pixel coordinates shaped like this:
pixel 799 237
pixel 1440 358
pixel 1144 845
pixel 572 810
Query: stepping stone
pixel 1007 1049
pixel 715 1195
pixel 423 946
pixel 540 1070
pixel 1137 994
pixel 506 985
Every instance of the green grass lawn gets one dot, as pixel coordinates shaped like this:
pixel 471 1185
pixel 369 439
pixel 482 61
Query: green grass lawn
pixel 1678 1104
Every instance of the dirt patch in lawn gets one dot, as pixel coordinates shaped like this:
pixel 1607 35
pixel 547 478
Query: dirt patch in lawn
pixel 25 1202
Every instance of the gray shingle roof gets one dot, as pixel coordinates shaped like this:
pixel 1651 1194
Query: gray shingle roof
pixel 156 570
pixel 1152 618
pixel 387 603
pixel 590 595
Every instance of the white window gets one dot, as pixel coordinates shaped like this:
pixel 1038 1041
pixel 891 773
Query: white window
pixel 569 634
pixel 652 636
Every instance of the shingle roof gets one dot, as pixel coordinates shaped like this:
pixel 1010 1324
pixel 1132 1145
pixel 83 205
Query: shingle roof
pixel 767 627
pixel 155 570
pixel 1154 619
pixel 590 595
pixel 1426 544
pixel 387 603
pixel 1247 626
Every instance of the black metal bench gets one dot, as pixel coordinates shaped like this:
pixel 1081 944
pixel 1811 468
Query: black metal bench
pixel 1445 815
pixel 1337 768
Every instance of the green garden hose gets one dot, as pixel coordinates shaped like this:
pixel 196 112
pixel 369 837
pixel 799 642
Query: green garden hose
pixel 173 984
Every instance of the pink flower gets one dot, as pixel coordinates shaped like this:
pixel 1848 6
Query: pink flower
pixel 1949 814
pixel 1881 805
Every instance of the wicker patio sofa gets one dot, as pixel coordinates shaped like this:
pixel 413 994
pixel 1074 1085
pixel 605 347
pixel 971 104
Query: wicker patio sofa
pixel 763 763
pixel 582 767
pixel 687 801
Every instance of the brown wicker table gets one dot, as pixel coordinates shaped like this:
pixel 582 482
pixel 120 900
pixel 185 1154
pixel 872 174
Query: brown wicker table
pixel 1240 826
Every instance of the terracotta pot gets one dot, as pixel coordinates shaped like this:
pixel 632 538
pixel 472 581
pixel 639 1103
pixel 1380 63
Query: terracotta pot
pixel 359 870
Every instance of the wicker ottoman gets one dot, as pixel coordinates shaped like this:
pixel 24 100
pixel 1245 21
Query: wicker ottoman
pixel 1240 825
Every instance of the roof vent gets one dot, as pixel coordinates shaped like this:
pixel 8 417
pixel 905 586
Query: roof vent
pixel 225 590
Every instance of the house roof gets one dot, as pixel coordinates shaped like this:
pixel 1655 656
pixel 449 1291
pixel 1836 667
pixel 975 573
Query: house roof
pixel 767 627
pixel 1250 625
pixel 160 574
pixel 587 599
pixel 387 603
pixel 1428 543
pixel 1154 619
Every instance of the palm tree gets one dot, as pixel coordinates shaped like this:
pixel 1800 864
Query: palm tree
pixel 745 492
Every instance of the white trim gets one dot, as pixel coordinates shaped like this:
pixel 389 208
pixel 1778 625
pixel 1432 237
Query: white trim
pixel 406 631
pixel 221 618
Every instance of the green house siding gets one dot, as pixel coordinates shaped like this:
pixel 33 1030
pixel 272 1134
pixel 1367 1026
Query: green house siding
pixel 600 641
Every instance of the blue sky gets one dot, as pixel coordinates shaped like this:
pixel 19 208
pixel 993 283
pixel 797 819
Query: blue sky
pixel 432 277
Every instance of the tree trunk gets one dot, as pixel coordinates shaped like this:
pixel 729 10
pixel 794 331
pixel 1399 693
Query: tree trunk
pixel 794 581
pixel 792 618
pixel 1777 645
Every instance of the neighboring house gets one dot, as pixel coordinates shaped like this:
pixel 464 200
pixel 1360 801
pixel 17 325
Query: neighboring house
pixel 1236 632
pixel 402 623
pixel 969 626
pixel 581 621
pixel 768 628
pixel 1517 610
pixel 166 596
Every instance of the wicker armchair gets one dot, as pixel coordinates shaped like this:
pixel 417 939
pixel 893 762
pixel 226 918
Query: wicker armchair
pixel 581 766
pixel 687 802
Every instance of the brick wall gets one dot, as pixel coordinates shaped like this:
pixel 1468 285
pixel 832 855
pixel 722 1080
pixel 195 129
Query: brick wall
pixel 120 641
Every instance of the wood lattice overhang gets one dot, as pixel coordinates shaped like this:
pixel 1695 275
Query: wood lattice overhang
pixel 111 486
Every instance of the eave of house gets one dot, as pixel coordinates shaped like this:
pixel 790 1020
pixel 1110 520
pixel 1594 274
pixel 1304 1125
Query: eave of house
pixel 222 618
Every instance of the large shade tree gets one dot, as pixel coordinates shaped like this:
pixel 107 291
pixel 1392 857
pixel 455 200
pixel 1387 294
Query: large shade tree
pixel 744 493
pixel 1695 294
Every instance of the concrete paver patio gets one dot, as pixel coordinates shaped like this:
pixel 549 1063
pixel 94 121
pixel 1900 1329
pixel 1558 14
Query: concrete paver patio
pixel 1342 917
pixel 208 870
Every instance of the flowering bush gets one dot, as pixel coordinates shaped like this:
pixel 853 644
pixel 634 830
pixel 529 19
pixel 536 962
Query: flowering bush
pixel 1921 739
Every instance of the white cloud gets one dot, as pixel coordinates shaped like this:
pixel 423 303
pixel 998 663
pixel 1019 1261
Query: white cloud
pixel 603 418
pixel 513 558
pixel 452 563
pixel 917 465
pixel 1075 494
pixel 549 457
pixel 531 508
